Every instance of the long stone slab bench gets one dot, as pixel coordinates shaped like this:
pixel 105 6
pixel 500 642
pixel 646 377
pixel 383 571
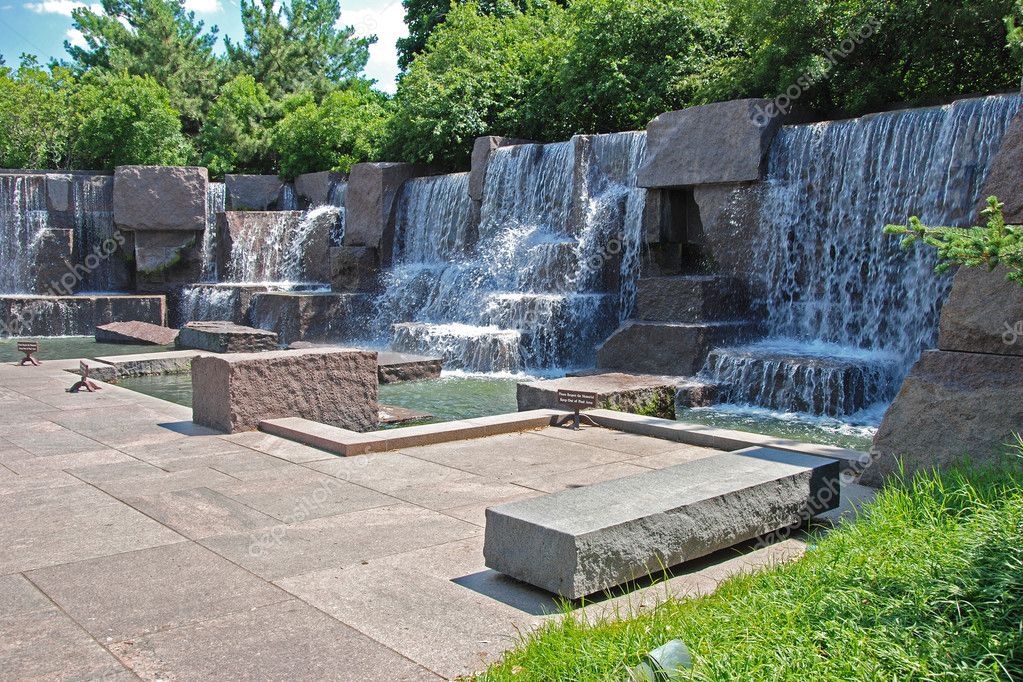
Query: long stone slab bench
pixel 585 540
pixel 349 443
pixel 721 439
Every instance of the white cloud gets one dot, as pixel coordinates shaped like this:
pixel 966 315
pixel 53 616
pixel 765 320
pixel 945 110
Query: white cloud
pixel 60 6
pixel 75 37
pixel 388 24
pixel 203 6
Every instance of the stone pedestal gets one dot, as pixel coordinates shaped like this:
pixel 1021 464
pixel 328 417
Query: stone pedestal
pixel 372 192
pixel 252 192
pixel 338 387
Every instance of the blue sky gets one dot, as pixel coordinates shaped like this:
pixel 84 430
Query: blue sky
pixel 40 27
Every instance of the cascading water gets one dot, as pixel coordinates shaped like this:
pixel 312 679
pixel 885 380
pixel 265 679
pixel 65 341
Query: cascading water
pixel 23 221
pixel 216 202
pixel 336 197
pixel 848 312
pixel 536 284
pixel 95 234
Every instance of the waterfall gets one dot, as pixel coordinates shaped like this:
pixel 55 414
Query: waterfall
pixel 336 197
pixel 95 234
pixel 543 276
pixel 23 221
pixel 216 202
pixel 273 246
pixel 848 311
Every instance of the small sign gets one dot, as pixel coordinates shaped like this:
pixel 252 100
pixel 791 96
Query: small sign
pixel 577 400
pixel 29 348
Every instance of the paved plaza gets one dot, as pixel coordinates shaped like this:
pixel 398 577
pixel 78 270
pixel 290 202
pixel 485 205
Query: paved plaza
pixel 138 545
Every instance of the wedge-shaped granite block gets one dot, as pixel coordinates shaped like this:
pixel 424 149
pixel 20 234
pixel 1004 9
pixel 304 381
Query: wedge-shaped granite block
pixel 585 540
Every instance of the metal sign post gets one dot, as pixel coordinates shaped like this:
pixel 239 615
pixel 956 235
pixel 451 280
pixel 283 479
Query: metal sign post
pixel 576 400
pixel 29 348
pixel 84 382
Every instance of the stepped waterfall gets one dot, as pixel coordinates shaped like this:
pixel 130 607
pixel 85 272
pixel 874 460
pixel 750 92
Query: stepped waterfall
pixel 848 312
pixel 23 220
pixel 532 281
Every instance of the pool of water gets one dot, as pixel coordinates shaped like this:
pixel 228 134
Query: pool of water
pixel 856 433
pixel 64 347
pixel 447 398
pixel 464 396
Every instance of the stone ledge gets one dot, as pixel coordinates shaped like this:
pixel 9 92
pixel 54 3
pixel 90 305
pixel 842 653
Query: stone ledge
pixel 349 443
pixel 151 364
pixel 720 439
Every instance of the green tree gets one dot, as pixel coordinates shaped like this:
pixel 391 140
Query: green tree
pixel 35 115
pixel 342 130
pixel 155 38
pixel 235 137
pixel 297 46
pixel 630 61
pixel 481 74
pixel 125 119
pixel 424 16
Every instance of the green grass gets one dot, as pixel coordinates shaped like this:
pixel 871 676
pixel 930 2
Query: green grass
pixel 926 585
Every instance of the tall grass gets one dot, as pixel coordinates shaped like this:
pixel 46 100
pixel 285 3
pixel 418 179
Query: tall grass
pixel 926 585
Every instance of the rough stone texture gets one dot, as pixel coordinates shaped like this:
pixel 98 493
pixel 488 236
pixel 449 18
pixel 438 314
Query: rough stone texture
pixel 481 151
pixel 160 198
pixel 695 393
pixel 1004 179
pixel 677 349
pixel 166 259
pixel 398 367
pixel 581 541
pixel 252 192
pixel 369 205
pixel 313 189
pixel 151 364
pixel 233 225
pixel 983 314
pixel 354 268
pixel 951 405
pixel 730 218
pixel 713 143
pixel 75 315
pixel 309 316
pixel 136 332
pixel 337 387
pixel 689 298
pixel 235 307
pixel 226 337
pixel 55 258
pixel 651 395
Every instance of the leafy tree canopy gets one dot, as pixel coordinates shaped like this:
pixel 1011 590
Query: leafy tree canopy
pixel 35 116
pixel 154 38
pixel 235 137
pixel 126 119
pixel 297 46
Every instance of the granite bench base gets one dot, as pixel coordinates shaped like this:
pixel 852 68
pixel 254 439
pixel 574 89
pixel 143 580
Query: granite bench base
pixel 585 540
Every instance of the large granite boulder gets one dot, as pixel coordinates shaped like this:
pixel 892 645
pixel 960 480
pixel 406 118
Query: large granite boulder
pixel 160 198
pixel 481 151
pixel 226 337
pixel 952 405
pixel 713 143
pixel 1004 179
pixel 983 314
pixel 354 268
pixel 167 257
pixel 313 189
pixel 637 393
pixel 672 348
pixel 312 316
pixel 369 206
pixel 252 192
pixel 233 393
pixel 136 332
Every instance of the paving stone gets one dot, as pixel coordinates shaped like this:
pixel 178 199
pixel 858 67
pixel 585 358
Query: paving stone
pixel 680 454
pixel 128 595
pixel 341 540
pixel 389 472
pixel 279 447
pixel 517 456
pixel 48 438
pixel 628 443
pixel 293 493
pixel 200 513
pixel 136 427
pixel 287 641
pixel 582 477
pixel 458 631
pixel 74 460
pixel 63 533
pixel 45 479
pixel 578 542
pixel 165 483
pixel 457 493
pixel 116 471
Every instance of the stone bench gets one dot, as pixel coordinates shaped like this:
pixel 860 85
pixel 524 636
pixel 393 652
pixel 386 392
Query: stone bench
pixel 585 540
pixel 236 392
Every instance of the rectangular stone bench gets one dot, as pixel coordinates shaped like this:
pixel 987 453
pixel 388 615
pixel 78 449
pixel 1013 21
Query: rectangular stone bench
pixel 235 392
pixel 585 540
